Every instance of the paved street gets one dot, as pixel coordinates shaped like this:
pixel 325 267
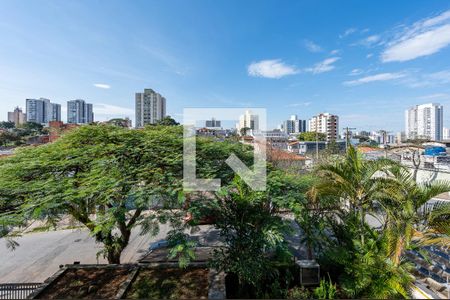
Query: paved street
pixel 40 254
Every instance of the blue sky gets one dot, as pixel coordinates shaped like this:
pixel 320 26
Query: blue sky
pixel 366 61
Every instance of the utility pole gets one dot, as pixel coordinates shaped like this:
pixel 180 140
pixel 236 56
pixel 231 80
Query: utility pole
pixel 317 145
pixel 347 137
pixel 385 143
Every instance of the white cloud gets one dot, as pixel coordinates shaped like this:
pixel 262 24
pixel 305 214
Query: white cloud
pixel 271 68
pixel 323 66
pixel 435 96
pixel 423 38
pixel 420 80
pixel 102 86
pixel 373 78
pixel 355 72
pixel 312 47
pixel 335 51
pixel 372 39
pixel 441 77
pixel 369 41
pixel 369 55
pixel 348 32
pixel 299 104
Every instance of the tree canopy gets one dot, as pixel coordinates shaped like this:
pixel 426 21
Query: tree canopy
pixel 312 136
pixel 167 121
pixel 105 177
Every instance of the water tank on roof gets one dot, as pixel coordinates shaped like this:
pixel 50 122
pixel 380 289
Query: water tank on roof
pixel 435 151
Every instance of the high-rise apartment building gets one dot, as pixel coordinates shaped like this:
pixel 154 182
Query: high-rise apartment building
pixel 17 117
pixel 425 121
pixel 294 125
pixel 79 112
pixel 150 107
pixel 42 111
pixel 248 121
pixel 213 123
pixel 446 133
pixel 55 112
pixel 325 123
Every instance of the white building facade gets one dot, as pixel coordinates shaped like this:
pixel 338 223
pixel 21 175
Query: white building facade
pixel 325 123
pixel 150 108
pixel 248 121
pixel 425 121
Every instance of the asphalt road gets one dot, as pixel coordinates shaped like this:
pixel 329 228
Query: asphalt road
pixel 40 254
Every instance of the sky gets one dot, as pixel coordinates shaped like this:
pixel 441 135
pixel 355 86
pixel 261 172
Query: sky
pixel 366 61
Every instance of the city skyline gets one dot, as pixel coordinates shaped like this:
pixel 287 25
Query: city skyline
pixel 348 62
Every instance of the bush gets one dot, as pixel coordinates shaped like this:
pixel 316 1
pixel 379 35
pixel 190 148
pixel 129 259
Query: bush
pixel 299 293
pixel 326 290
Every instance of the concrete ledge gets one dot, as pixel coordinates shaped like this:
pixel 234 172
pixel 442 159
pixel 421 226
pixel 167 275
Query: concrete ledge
pixel 216 285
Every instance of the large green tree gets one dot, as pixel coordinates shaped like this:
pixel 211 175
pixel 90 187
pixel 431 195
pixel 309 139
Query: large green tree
pixel 167 121
pixel 252 228
pixel 7 125
pixel 409 222
pixel 312 136
pixel 105 178
pixel 354 181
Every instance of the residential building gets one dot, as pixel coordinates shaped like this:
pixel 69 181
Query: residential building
pixel 400 138
pixel 79 112
pixel 325 123
pixel 150 108
pixel 294 125
pixel 248 121
pixel 213 124
pixel 306 147
pixel 446 133
pixel 54 112
pixel 287 160
pixel 42 111
pixel 382 137
pixel 362 133
pixel 17 117
pixel 309 147
pixel 275 138
pixel 424 121
pixel 57 128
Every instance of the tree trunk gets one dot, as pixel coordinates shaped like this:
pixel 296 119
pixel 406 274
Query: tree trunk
pixel 113 256
pixel 416 163
pixel 362 225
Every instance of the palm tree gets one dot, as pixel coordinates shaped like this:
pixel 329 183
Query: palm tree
pixel 355 181
pixel 408 219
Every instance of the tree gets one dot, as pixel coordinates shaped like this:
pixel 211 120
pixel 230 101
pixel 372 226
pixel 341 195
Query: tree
pixel 7 125
pixel 120 122
pixel 105 177
pixel 312 136
pixel 244 131
pixel 31 128
pixel 407 217
pixel 363 270
pixel 251 227
pixel 333 147
pixel 354 180
pixel 167 121
pixel 7 137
